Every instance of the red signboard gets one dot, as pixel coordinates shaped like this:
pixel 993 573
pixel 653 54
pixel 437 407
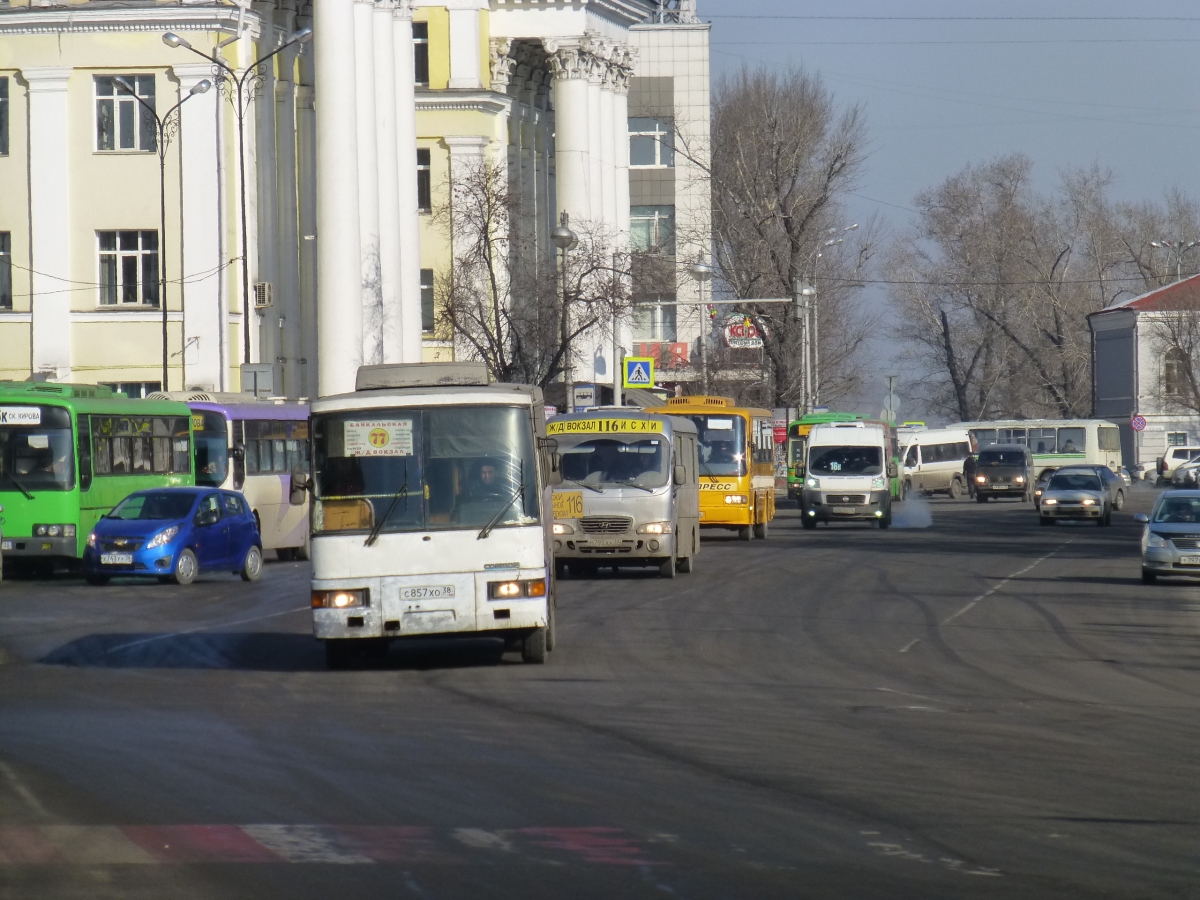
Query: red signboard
pixel 670 355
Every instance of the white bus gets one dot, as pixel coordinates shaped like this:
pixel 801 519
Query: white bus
pixel 1054 443
pixel 430 511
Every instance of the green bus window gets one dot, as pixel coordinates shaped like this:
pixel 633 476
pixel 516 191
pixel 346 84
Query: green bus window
pixel 84 442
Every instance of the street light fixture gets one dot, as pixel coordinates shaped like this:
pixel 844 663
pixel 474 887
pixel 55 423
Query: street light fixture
pixel 240 91
pixel 167 126
pixel 1176 248
pixel 702 272
pixel 565 240
pixel 807 307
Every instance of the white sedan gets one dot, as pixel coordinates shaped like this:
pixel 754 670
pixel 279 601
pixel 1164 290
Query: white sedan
pixel 1075 494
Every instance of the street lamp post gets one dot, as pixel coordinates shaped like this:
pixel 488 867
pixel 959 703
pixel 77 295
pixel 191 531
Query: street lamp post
pixel 1176 249
pixel 240 91
pixel 702 272
pixel 565 240
pixel 812 349
pixel 166 126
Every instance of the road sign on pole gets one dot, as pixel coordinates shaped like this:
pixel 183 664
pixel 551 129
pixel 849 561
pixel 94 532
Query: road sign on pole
pixel 1138 423
pixel 638 372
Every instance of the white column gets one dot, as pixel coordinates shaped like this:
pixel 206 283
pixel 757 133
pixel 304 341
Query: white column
pixel 390 256
pixel 339 290
pixel 465 48
pixel 368 179
pixel 200 221
pixel 50 219
pixel 594 144
pixel 571 131
pixel 620 134
pixel 608 162
pixel 307 215
pixel 245 55
pixel 287 290
pixel 406 169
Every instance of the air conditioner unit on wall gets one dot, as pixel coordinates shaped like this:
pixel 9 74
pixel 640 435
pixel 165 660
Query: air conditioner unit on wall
pixel 264 295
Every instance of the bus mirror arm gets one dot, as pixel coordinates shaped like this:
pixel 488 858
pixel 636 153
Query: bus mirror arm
pixel 891 468
pixel 238 452
pixel 301 485
pixel 680 475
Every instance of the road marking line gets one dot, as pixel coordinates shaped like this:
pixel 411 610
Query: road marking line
pixel 20 789
pixel 997 587
pixel 163 637
pixel 305 844
pixel 910 645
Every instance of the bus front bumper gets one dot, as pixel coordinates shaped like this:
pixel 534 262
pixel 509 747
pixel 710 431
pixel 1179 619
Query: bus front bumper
pixel 40 547
pixel 824 507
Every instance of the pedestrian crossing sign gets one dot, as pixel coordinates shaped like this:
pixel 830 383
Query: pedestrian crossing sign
pixel 639 372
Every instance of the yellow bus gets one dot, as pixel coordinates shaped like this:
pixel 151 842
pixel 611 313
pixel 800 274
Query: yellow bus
pixel 737 463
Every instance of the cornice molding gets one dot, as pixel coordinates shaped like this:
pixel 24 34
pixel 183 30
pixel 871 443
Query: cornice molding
pixel 24 20
pixel 488 102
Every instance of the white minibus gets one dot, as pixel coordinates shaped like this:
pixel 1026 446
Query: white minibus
pixel 933 461
pixel 847 474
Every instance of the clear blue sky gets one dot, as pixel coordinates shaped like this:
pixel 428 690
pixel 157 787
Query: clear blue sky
pixel 941 92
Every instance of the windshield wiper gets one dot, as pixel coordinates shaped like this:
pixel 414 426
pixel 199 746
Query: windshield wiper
pixel 402 493
pixel 519 492
pixel 20 487
pixel 640 487
pixel 582 484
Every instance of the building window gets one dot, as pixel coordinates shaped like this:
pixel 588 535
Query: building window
pixel 424 181
pixel 427 301
pixel 121 122
pixel 421 53
pixel 4 116
pixel 651 143
pixel 652 229
pixel 1177 438
pixel 653 322
pixel 5 270
pixel 1176 365
pixel 128 267
pixel 134 390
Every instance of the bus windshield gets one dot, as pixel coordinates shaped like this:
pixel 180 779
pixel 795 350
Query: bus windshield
pixel 38 456
pixel 722 444
pixel 424 469
pixel 845 461
pixel 211 447
pixel 616 460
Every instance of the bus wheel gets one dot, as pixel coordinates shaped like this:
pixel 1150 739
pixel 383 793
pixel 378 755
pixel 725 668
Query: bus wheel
pixel 185 568
pixel 684 565
pixel 533 647
pixel 760 531
pixel 666 568
pixel 745 533
pixel 97 579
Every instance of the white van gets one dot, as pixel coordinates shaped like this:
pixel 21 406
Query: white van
pixel 933 462
pixel 847 474
pixel 1174 458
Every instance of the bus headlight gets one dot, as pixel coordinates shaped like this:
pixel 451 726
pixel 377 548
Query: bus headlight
pixel 735 498
pixel 563 528
pixel 162 537
pixel 54 531
pixel 879 483
pixel 511 590
pixel 812 483
pixel 341 599
pixel 655 528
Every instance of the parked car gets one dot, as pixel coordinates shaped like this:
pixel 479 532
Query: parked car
pixel 1075 492
pixel 1173 459
pixel 1185 474
pixel 1004 470
pixel 174 534
pixel 1171 538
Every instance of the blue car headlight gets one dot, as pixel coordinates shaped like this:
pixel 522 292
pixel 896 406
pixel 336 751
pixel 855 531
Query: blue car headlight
pixel 162 537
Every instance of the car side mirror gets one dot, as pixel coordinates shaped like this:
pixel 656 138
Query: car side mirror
pixel 680 475
pixel 301 485
pixel 1141 518
pixel 207 517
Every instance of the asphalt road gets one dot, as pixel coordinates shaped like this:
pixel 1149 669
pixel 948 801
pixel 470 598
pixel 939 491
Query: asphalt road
pixel 980 708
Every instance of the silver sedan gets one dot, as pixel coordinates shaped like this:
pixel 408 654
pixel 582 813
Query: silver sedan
pixel 1075 494
pixel 1171 538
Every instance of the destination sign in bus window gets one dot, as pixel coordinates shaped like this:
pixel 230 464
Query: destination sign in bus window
pixel 605 426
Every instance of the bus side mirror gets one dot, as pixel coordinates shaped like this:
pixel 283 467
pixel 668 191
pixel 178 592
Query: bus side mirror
pixel 680 475
pixel 238 453
pixel 891 468
pixel 300 488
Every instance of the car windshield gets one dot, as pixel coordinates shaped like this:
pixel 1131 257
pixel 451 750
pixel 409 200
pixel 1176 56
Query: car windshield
pixel 36 452
pixel 424 469
pixel 211 448
pixel 612 459
pixel 845 461
pixel 1075 481
pixel 156 505
pixel 1001 458
pixel 722 444
pixel 1177 510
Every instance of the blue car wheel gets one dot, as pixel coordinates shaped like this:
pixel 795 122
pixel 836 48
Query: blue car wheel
pixel 186 567
pixel 252 567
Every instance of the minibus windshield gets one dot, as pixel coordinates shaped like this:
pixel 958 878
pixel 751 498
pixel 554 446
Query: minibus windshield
pixel 845 461
pixel 394 470
pixel 616 460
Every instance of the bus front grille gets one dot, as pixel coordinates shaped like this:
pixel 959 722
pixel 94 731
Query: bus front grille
pixel 605 524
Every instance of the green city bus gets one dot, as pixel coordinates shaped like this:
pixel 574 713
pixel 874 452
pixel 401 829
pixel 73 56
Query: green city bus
pixel 69 453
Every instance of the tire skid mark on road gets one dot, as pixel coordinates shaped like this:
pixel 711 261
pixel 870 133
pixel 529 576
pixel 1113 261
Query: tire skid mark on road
pixel 971 605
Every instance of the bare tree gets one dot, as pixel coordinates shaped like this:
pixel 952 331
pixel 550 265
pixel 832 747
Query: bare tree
pixel 783 158
pixel 502 299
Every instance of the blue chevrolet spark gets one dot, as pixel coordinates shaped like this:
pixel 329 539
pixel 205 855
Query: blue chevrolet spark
pixel 174 534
